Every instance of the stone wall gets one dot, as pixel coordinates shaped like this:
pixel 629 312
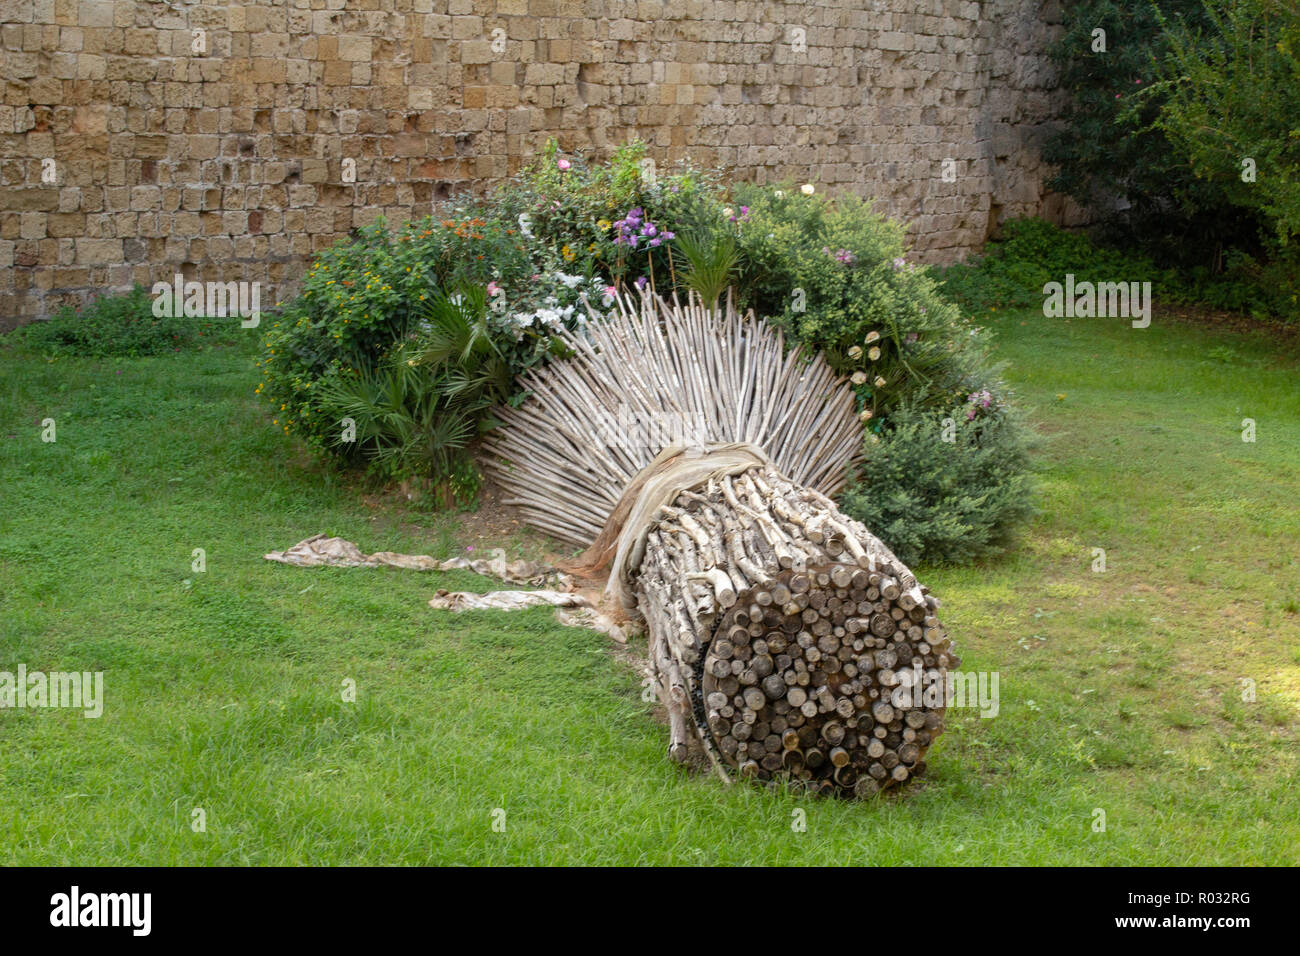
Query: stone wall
pixel 142 139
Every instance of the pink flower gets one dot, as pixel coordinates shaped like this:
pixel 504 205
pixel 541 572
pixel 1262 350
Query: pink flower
pixel 493 288
pixel 564 164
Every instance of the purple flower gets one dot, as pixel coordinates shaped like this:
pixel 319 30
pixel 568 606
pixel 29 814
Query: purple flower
pixel 898 263
pixel 641 282
pixel 655 241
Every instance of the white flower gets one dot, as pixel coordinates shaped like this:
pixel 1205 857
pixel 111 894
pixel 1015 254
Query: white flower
pixel 855 352
pixel 872 337
pixel 728 212
pixel 859 378
pixel 874 354
pixel 779 194
pixel 807 189
pixel 880 382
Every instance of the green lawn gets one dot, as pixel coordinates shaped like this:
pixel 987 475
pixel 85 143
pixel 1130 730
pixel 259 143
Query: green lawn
pixel 1120 690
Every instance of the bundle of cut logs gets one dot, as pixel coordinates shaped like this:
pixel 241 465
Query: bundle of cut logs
pixel 780 632
pixel 786 642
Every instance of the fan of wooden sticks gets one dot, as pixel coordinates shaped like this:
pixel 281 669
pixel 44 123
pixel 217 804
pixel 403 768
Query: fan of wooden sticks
pixel 689 450
pixel 656 374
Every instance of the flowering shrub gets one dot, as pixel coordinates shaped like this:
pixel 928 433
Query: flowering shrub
pixel 549 301
pixel 834 274
pixel 616 219
pixel 366 298
pixel 416 336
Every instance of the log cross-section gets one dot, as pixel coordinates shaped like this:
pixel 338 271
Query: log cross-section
pixel 780 654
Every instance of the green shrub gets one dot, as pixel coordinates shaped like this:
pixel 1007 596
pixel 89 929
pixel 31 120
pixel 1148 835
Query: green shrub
pixel 416 415
pixel 363 296
pixel 1231 94
pixel 833 274
pixel 1013 269
pixel 946 501
pixel 123 325
pixel 707 262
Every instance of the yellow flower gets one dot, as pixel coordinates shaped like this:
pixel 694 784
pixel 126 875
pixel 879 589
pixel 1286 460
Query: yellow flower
pixel 874 354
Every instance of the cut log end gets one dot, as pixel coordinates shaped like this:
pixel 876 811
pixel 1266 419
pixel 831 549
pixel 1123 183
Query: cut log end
pixel 816 673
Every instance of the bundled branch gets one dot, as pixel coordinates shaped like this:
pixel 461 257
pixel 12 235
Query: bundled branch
pixel 780 631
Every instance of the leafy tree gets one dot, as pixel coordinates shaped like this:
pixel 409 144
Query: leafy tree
pixel 1110 153
pixel 1231 104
